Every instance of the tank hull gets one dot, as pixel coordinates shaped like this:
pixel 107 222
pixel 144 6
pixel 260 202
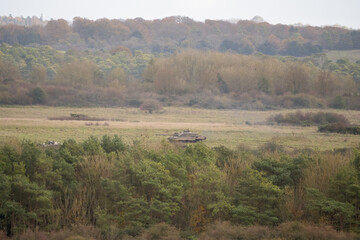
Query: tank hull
pixel 186 137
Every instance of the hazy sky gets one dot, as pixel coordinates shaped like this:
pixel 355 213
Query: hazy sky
pixel 313 12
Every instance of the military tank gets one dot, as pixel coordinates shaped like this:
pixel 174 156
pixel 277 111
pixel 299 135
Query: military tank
pixel 186 137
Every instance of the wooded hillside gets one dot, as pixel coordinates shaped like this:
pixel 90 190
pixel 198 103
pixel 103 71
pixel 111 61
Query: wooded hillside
pixel 177 61
pixel 174 33
pixel 43 75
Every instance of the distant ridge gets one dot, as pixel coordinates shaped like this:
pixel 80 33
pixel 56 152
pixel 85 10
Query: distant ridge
pixel 22 21
pixel 175 33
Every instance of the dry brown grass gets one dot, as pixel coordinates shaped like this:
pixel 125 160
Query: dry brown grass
pixel 221 127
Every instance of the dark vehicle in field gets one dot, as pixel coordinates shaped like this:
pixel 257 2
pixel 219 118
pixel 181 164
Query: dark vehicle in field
pixel 186 137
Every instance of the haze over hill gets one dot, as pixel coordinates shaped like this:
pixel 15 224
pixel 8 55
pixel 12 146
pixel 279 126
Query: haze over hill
pixel 316 13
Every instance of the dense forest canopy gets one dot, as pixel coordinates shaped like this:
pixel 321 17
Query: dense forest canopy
pixel 120 190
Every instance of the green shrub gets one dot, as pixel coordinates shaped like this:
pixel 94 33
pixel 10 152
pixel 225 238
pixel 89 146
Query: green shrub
pixel 340 128
pixel 310 118
pixel 151 105
pixel 338 102
pixel 38 95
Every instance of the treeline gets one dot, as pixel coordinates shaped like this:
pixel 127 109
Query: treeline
pixel 213 79
pixel 122 191
pixel 43 75
pixel 119 77
pixel 172 34
pixel 22 21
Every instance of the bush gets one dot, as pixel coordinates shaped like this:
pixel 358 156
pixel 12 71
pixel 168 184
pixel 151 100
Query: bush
pixel 134 103
pixel 225 230
pixel 308 119
pixel 78 232
pixel 160 231
pixel 340 128
pixel 38 95
pixel 338 102
pixel 31 235
pixel 113 144
pixel 151 105
pixel 272 146
pixel 296 230
pixel 289 231
pixel 222 230
pixel 300 102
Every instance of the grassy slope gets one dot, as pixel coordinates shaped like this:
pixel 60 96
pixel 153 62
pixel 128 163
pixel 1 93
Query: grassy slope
pixel 221 127
pixel 352 55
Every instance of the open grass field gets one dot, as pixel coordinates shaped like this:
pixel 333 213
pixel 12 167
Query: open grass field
pixel 231 128
pixel 351 55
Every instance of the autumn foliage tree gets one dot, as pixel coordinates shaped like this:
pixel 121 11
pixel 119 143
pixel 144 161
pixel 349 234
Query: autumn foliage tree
pixel 193 71
pixel 56 30
pixel 209 79
pixel 78 73
pixel 175 33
